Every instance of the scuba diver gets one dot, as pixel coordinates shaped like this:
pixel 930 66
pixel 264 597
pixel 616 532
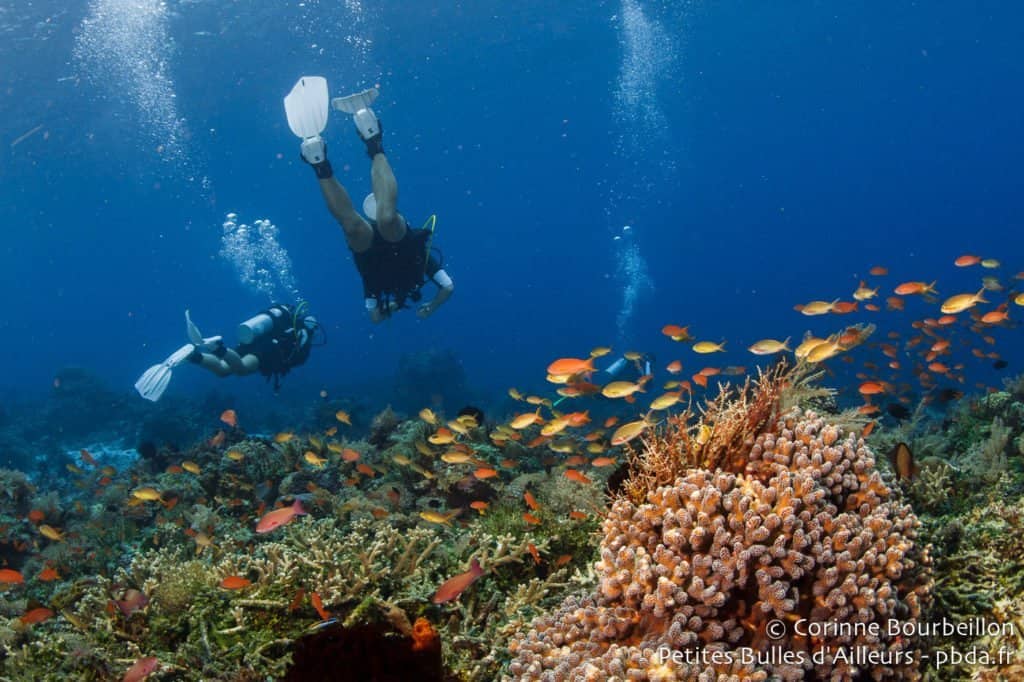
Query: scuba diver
pixel 271 342
pixel 625 369
pixel 394 259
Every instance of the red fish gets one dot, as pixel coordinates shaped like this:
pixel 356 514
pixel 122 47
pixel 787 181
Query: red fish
pixel 280 517
pixel 141 669
pixel 318 604
pixel 235 582
pixel 9 575
pixel 87 457
pixel 571 366
pixel 48 575
pixel 454 586
pixel 36 616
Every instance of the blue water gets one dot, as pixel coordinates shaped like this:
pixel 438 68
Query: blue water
pixel 762 155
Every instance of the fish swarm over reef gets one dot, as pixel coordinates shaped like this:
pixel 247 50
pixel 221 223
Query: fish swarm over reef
pixel 725 527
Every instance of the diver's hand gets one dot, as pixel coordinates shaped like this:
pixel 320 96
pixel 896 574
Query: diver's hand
pixel 313 150
pixel 425 311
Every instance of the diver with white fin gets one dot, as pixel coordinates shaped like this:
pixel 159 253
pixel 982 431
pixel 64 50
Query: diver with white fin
pixel 394 259
pixel 271 342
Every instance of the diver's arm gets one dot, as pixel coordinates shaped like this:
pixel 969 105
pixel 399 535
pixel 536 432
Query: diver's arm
pixel 445 288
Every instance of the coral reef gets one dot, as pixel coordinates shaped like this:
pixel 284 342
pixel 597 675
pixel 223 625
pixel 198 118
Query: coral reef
pixel 745 520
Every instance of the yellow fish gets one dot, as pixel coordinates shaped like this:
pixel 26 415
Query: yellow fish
pixel 961 302
pixel 458 427
pixel 469 421
pixel 824 351
pixel 708 347
pixel 600 351
pixel 595 448
pixel 666 400
pixel 818 307
pixel 427 415
pixel 316 442
pixel 331 431
pixel 990 263
pixel 51 533
pixel 515 394
pixel 73 469
pixel 703 434
pixel 284 437
pixel 402 459
pixel 235 455
pixel 335 448
pixel 628 432
pixel 108 470
pixel 524 420
pixel 554 379
pixel 456 457
pixel 342 416
pixel 312 458
pixel 420 470
pixel 424 449
pixel 146 494
pixel 769 346
pixel 620 389
pixel 535 400
pixel 562 446
pixel 632 355
pixel 807 346
pixel 191 467
pixel 438 517
pixel 863 293
pixel 554 426
pixel 1019 299
pixel 442 437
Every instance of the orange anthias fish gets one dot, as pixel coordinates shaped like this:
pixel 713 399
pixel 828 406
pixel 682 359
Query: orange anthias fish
pixel 878 271
pixel 235 582
pixel 9 575
pixel 279 517
pixel 343 417
pixel 37 615
pixel 565 366
pixel 318 604
pixel 87 457
pixel 676 333
pixel 229 417
pixel 674 367
pixel 48 575
pixel 910 288
pixel 531 501
pixel 577 476
pixel 456 585
pixel 967 260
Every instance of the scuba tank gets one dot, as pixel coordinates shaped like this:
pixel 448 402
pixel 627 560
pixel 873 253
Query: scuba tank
pixel 261 323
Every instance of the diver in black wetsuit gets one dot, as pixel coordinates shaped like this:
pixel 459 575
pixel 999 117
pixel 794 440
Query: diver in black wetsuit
pixel 393 258
pixel 272 342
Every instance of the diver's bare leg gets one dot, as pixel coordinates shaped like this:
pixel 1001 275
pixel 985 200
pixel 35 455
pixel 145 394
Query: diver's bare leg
pixel 385 189
pixel 230 364
pixel 358 232
pixel 241 364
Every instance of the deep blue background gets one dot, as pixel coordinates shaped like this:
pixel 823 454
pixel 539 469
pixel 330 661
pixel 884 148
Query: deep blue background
pixel 810 141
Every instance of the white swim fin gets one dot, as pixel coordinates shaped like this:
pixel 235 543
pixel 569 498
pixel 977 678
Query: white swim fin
pixel 152 384
pixel 350 104
pixel 208 343
pixel 306 106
